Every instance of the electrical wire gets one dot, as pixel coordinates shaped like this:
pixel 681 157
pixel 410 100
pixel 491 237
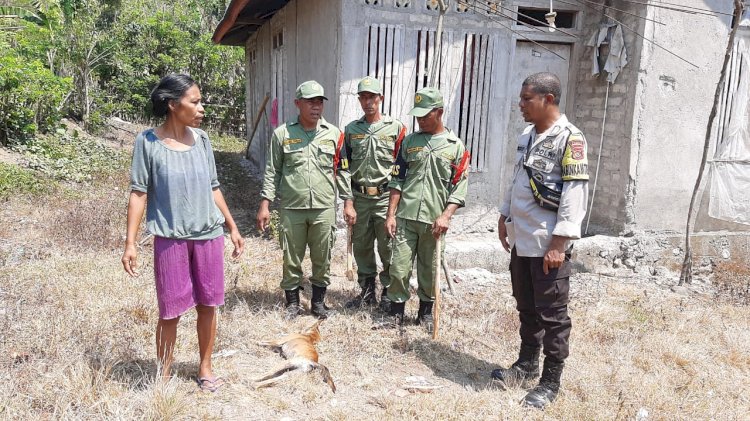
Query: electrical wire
pixel 488 9
pixel 632 30
pixel 679 8
pixel 499 22
pixel 626 12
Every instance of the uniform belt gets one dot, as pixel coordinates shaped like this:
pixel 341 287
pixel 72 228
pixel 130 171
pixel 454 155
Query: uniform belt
pixel 370 191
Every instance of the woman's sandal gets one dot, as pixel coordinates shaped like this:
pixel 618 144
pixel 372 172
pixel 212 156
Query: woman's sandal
pixel 209 384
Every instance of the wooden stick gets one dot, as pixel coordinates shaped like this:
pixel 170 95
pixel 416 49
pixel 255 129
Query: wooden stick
pixel 350 274
pixel 448 277
pixel 436 286
pixel 686 274
pixel 261 110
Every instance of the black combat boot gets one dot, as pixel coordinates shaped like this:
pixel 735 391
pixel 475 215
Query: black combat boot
pixel 394 319
pixel 365 297
pixel 424 315
pixel 293 309
pixel 317 305
pixel 546 391
pixel 385 302
pixel 524 369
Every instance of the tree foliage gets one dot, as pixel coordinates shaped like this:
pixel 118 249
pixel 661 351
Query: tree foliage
pixel 92 59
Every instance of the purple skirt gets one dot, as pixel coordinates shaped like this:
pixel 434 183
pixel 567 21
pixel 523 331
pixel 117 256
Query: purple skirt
pixel 188 273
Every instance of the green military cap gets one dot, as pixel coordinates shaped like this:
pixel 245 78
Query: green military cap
pixel 370 84
pixel 310 89
pixel 426 100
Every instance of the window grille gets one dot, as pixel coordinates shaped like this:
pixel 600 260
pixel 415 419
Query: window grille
pixel 401 59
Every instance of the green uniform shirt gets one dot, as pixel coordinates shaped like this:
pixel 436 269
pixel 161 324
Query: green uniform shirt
pixel 302 166
pixel 370 149
pixel 431 171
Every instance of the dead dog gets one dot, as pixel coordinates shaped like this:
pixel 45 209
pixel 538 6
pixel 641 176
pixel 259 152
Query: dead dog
pixel 299 351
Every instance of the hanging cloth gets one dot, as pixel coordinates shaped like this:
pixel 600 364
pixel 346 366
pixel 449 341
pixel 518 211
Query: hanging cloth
pixel 617 58
pixel 730 168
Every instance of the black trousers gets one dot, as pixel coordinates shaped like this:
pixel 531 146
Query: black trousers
pixel 542 304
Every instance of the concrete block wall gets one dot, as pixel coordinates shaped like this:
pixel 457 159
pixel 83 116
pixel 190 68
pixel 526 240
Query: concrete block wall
pixel 609 209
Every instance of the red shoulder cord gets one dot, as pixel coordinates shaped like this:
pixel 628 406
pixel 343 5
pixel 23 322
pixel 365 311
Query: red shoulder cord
pixel 337 155
pixel 461 168
pixel 400 139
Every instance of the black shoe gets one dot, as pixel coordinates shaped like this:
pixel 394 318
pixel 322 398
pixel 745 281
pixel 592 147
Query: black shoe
pixel 293 309
pixel 395 318
pixel 365 297
pixel 549 385
pixel 385 302
pixel 524 369
pixel 424 315
pixel 318 308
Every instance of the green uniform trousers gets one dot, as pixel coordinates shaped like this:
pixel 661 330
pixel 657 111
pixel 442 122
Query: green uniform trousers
pixel 413 239
pixel 370 226
pixel 303 228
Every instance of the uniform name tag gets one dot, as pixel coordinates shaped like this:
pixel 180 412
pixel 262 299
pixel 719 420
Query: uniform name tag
pixel 448 156
pixel 291 141
pixel 415 149
pixel 358 136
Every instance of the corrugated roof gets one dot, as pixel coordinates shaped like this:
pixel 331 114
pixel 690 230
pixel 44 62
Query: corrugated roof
pixel 242 18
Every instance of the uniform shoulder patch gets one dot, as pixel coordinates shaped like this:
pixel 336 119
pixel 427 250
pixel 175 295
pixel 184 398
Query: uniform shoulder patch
pixel 575 164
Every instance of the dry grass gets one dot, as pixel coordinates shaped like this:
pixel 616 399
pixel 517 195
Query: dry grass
pixel 77 341
pixel 732 280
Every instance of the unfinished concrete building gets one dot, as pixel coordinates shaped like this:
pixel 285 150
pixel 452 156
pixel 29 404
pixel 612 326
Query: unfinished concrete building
pixel 657 106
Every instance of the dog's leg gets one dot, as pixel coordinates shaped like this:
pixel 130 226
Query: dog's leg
pixel 278 343
pixel 274 375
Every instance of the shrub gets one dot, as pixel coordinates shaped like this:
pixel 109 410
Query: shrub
pixel 30 98
pixel 17 180
pixel 70 157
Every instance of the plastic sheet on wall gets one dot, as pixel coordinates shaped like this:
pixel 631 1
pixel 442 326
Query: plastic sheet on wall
pixel 730 167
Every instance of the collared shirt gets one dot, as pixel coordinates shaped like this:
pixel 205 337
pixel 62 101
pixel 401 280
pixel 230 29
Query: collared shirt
pixel 556 158
pixel 431 172
pixel 370 148
pixel 305 168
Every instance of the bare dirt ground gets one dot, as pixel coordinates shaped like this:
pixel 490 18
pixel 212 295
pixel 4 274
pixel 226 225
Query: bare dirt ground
pixel 77 335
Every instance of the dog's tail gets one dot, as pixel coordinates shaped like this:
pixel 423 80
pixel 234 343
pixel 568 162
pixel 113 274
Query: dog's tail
pixel 326 376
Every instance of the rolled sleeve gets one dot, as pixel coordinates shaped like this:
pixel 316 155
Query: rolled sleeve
pixel 572 209
pixel 211 161
pixel 458 194
pixel 140 167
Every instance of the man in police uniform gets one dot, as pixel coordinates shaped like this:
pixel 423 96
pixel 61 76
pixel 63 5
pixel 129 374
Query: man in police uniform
pixel 370 143
pixel 429 184
pixel 540 217
pixel 306 164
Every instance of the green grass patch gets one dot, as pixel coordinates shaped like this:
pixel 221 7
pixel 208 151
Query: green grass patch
pixel 70 157
pixel 224 143
pixel 17 180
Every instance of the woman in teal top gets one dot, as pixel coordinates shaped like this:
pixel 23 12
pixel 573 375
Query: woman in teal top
pixel 173 179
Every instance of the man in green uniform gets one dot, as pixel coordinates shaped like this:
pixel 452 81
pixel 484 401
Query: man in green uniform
pixel 429 184
pixel 370 144
pixel 306 163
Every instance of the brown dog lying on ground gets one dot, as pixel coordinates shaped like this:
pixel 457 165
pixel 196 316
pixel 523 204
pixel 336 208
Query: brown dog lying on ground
pixel 299 350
